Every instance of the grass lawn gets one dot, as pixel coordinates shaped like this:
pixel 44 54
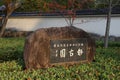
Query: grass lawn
pixel 106 64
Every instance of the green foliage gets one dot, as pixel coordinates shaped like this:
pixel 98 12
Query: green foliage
pixel 106 65
pixel 105 3
pixel 1 2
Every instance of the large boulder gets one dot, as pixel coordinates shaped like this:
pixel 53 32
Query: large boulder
pixel 37 49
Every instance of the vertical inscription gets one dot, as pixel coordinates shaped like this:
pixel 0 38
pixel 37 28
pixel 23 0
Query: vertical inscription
pixel 68 50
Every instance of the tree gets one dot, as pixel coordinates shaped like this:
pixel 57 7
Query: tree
pixel 68 8
pixel 10 6
pixel 110 4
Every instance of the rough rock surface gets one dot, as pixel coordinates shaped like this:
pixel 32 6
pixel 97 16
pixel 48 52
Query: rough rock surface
pixel 37 45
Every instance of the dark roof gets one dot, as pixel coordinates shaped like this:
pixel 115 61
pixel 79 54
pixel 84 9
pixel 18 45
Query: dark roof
pixel 58 13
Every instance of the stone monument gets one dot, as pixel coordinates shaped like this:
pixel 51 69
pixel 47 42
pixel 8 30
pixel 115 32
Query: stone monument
pixel 48 47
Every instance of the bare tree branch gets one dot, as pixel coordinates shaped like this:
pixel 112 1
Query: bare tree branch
pixel 116 3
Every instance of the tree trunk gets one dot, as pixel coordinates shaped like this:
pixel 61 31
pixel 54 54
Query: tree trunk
pixel 108 25
pixel 2 28
pixel 10 7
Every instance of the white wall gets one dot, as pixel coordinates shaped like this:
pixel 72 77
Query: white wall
pixel 89 24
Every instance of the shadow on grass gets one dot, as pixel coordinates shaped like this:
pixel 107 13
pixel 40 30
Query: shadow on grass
pixel 16 55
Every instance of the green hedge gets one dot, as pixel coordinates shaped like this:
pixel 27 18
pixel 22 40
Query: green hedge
pixel 11 48
pixel 110 44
